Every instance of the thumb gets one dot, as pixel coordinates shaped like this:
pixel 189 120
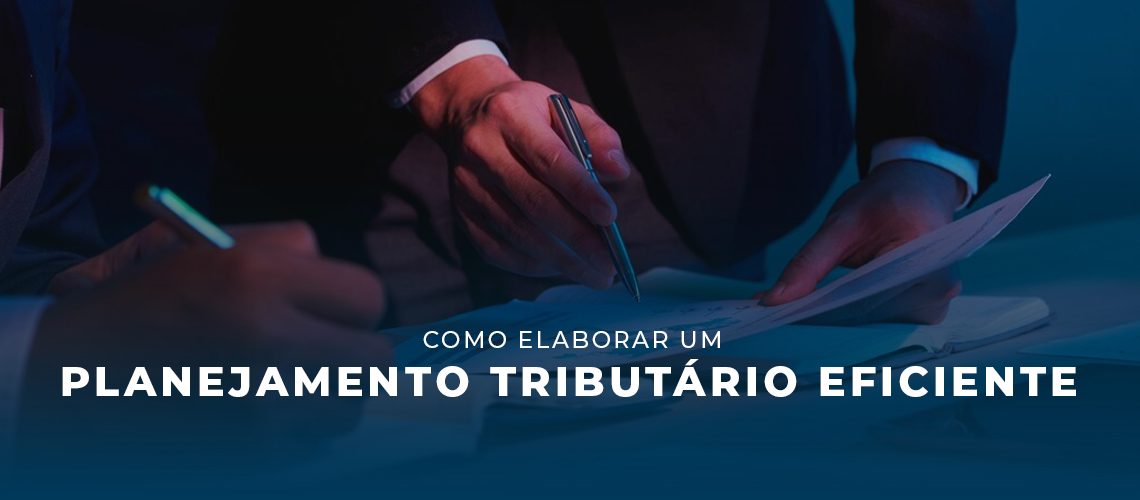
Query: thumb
pixel 822 253
pixel 610 162
pixel 152 240
pixel 73 279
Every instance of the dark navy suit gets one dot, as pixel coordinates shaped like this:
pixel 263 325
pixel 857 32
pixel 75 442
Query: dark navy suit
pixel 734 114
pixel 46 221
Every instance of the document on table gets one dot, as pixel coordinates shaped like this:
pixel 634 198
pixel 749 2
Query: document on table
pixel 406 429
pixel 1120 343
pixel 734 319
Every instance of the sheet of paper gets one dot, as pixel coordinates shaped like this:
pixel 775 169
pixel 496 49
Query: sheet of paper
pixel 917 258
pixel 971 320
pixel 1121 343
pixel 400 430
pixel 406 429
pixel 734 319
pixel 660 285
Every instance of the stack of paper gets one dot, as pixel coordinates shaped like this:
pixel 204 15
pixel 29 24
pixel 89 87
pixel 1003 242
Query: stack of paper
pixel 562 309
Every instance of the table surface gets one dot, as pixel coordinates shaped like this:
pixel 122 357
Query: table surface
pixel 1088 275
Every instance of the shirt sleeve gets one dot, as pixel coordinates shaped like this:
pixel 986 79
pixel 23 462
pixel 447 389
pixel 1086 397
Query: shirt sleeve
pixel 19 317
pixel 926 150
pixel 938 70
pixel 461 52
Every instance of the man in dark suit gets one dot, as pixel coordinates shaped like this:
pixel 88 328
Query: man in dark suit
pixel 724 123
pixel 148 300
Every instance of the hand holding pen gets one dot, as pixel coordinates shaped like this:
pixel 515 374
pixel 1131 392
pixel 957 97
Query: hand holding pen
pixel 576 139
pixel 519 193
pixel 197 296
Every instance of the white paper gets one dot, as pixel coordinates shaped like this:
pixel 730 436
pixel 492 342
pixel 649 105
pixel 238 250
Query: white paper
pixel 971 321
pixel 734 319
pixel 1121 343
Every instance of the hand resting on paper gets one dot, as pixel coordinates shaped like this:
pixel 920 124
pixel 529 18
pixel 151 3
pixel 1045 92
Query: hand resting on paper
pixel 897 202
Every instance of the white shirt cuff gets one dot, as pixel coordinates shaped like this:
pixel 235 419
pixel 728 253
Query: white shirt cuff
pixel 19 317
pixel 926 150
pixel 461 52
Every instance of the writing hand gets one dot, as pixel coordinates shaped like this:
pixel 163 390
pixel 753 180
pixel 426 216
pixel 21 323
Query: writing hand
pixel 272 300
pixel 157 239
pixel 526 202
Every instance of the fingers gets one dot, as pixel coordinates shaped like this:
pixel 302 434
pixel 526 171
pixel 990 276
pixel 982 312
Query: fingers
pixel 498 253
pixel 555 216
pixel 324 343
pixel 157 239
pixel 925 301
pixel 529 204
pixel 154 239
pixel 335 291
pixel 70 281
pixel 504 197
pixel 609 157
pixel 294 236
pixel 502 231
pixel 547 158
pixel 822 253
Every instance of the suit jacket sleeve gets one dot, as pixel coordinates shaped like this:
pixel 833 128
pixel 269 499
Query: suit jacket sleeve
pixel 62 229
pixel 395 41
pixel 937 70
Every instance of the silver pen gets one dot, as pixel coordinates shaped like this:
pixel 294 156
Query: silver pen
pixel 576 141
